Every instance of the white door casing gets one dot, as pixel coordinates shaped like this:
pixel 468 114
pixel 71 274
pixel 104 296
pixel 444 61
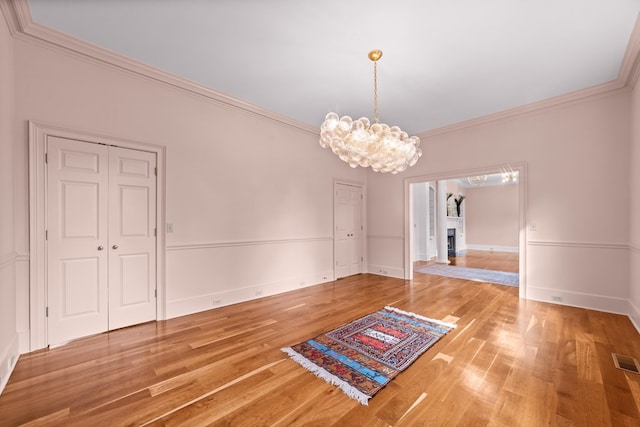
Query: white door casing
pixel 348 233
pixel 101 204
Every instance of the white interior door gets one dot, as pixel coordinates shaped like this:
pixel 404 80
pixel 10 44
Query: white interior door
pixel 77 194
pixel 101 210
pixel 348 230
pixel 132 242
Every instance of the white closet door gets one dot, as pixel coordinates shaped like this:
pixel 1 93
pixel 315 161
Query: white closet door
pixel 132 242
pixel 101 253
pixel 77 194
pixel 348 230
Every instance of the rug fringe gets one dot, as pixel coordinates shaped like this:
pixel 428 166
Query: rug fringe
pixel 348 389
pixel 417 316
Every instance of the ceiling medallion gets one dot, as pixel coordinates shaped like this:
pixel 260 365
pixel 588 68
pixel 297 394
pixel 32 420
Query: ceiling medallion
pixel 360 143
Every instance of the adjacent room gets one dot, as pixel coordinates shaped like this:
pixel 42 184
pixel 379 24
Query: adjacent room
pixel 319 213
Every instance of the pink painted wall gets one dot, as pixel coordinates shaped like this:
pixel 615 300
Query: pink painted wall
pixel 250 198
pixel 491 216
pixel 577 180
pixel 8 329
pixel 634 198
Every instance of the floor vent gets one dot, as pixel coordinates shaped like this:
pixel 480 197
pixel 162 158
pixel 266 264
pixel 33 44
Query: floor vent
pixel 626 363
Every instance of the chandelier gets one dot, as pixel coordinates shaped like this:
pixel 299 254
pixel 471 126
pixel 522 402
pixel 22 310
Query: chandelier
pixel 477 180
pixel 510 177
pixel 360 143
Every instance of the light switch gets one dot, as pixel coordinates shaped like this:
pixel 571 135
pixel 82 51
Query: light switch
pixel 169 227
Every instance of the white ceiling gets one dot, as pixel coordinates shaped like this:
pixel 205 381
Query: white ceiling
pixel 444 61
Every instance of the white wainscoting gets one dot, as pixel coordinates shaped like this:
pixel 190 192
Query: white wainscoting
pixel 579 274
pixel 9 351
pixel 22 302
pixel 634 280
pixel 386 256
pixel 206 275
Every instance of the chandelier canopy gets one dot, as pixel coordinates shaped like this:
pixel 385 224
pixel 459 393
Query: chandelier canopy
pixel 379 146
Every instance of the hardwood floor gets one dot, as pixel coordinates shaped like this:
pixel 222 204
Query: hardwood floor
pixel 488 260
pixel 510 362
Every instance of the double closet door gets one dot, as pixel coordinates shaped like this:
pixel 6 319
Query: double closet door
pixel 101 244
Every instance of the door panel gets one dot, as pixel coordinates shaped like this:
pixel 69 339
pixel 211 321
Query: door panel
pixel 77 194
pixel 355 207
pixel 343 229
pixel 79 287
pixel 132 223
pixel 348 230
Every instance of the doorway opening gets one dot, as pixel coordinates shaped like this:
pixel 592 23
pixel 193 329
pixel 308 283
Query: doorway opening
pixel 482 211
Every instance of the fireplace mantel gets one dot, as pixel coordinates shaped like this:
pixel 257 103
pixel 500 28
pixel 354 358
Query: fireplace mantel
pixel 457 223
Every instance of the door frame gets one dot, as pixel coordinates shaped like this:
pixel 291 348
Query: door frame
pixel 363 213
pixel 38 133
pixel 520 167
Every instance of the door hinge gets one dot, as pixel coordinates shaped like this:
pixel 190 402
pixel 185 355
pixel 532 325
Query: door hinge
pixel 46 234
pixel 362 259
pixel 46 157
pixel 46 312
pixel 361 196
pixel 155 170
pixel 362 228
pixel 155 232
pixel 155 293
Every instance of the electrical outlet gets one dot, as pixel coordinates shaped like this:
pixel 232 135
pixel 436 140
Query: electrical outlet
pixel 169 227
pixel 302 283
pixel 533 227
pixel 217 302
pixel 258 292
pixel 556 298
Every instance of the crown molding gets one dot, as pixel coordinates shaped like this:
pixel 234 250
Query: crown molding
pixel 627 77
pixel 630 68
pixel 24 28
pixel 583 95
pixel 18 16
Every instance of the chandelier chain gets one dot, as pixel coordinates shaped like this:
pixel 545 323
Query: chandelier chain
pixel 375 92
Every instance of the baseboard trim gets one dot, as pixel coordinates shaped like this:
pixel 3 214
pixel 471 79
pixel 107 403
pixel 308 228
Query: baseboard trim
pixel 634 315
pixel 579 300
pixel 493 248
pixel 209 301
pixel 8 360
pixel 385 270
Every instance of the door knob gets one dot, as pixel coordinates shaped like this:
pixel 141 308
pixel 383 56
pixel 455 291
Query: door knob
pixel 100 248
pixel 115 246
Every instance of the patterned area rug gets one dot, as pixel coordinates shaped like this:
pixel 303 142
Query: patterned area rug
pixel 363 356
pixel 475 274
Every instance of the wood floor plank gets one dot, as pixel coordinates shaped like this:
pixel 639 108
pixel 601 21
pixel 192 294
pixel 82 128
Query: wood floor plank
pixel 509 362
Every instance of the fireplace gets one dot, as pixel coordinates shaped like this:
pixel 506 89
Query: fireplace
pixel 451 241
